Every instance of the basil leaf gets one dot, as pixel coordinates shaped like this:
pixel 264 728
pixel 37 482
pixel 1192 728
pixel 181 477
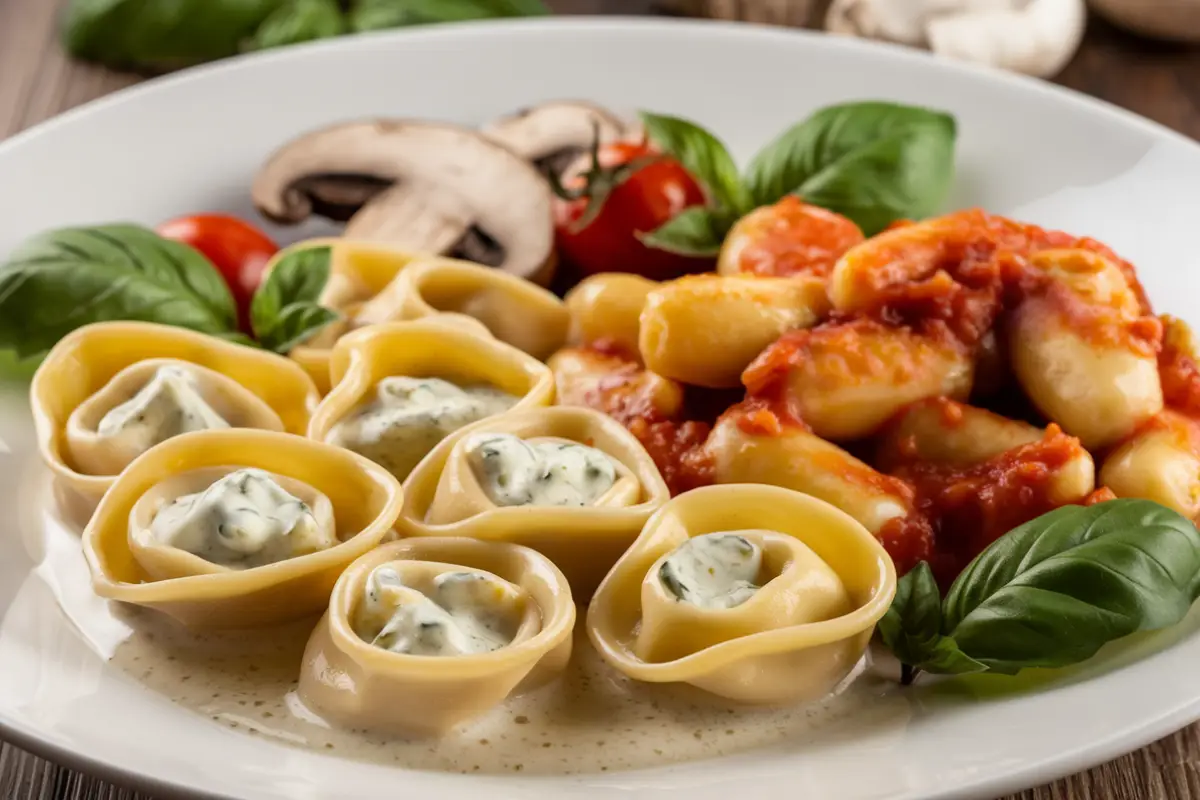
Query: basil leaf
pixel 158 33
pixel 66 278
pixel 694 231
pixel 704 157
pixel 911 628
pixel 378 14
pixel 14 369
pixel 300 21
pixel 873 162
pixel 296 324
pixel 1051 592
pixel 284 310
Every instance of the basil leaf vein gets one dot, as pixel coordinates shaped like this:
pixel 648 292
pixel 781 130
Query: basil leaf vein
pixel 704 157
pixel 284 311
pixel 66 278
pixel 873 162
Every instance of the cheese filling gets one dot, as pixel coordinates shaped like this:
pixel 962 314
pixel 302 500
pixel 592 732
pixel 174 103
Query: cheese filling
pixel 168 405
pixel 409 416
pixel 243 520
pixel 462 613
pixel 513 472
pixel 715 570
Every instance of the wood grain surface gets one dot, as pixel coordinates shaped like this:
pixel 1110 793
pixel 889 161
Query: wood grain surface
pixel 1159 81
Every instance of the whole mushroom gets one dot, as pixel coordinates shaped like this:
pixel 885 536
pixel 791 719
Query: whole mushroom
pixel 427 187
pixel 1035 37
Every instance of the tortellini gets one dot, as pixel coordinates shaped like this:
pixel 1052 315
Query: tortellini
pixel 110 391
pixel 424 634
pixel 402 387
pixel 372 283
pixel 237 528
pixel 568 482
pixel 754 593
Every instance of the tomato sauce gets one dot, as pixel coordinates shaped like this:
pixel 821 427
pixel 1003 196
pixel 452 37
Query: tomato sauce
pixel 793 238
pixel 970 507
pixel 1178 369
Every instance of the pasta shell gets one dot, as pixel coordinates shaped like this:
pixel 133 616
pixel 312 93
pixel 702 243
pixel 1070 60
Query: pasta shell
pixel 444 499
pixel 97 366
pixel 358 685
pixel 431 347
pixel 371 283
pixel 365 501
pixel 778 646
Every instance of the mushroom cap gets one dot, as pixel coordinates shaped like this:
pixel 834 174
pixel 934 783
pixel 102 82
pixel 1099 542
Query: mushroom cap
pixel 543 130
pixel 445 181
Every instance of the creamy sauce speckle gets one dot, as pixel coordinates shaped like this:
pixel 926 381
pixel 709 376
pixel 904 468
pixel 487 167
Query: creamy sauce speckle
pixel 716 570
pixel 462 613
pixel 243 520
pixel 592 720
pixel 168 405
pixel 513 472
pixel 407 417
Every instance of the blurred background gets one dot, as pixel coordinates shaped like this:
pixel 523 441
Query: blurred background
pixel 1139 54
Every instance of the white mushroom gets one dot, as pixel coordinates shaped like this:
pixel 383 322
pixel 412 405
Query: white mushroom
pixel 1175 20
pixel 554 133
pixel 1036 37
pixel 422 186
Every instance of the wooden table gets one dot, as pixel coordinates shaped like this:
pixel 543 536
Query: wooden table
pixel 1161 82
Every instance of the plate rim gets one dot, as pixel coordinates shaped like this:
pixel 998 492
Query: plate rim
pixel 1048 768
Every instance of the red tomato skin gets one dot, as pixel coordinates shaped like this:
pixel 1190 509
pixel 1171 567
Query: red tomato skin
pixel 645 200
pixel 236 248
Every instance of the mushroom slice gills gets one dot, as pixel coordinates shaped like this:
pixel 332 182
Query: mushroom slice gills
pixel 152 401
pixel 715 570
pixel 515 472
pixel 452 614
pixel 721 586
pixel 246 518
pixel 407 417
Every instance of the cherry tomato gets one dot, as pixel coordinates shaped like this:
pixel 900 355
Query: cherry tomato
pixel 235 247
pixel 642 202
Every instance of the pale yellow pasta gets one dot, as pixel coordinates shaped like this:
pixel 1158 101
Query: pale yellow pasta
pixel 516 311
pixel 1098 389
pixel 795 459
pixel 354 684
pixel 1161 462
pixel 706 329
pixel 827 582
pixel 365 502
pixel 943 431
pixel 846 381
pixel 443 499
pixel 425 348
pixel 606 307
pixel 612 384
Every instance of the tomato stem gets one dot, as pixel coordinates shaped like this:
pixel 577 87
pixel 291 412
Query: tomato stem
pixel 598 181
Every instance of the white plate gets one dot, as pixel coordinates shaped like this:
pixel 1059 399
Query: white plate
pixel 193 141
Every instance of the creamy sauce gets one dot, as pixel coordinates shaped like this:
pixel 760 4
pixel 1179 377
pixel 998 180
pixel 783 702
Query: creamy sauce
pixel 513 472
pixel 592 720
pixel 168 405
pixel 407 418
pixel 243 520
pixel 464 613
pixel 715 570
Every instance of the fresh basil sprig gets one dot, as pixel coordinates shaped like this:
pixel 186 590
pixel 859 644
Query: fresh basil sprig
pixel 164 34
pixel 66 278
pixel 284 311
pixel 1051 592
pixel 873 162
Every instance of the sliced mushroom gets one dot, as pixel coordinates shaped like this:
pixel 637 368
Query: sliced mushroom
pixel 553 134
pixel 449 191
pixel 1036 37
